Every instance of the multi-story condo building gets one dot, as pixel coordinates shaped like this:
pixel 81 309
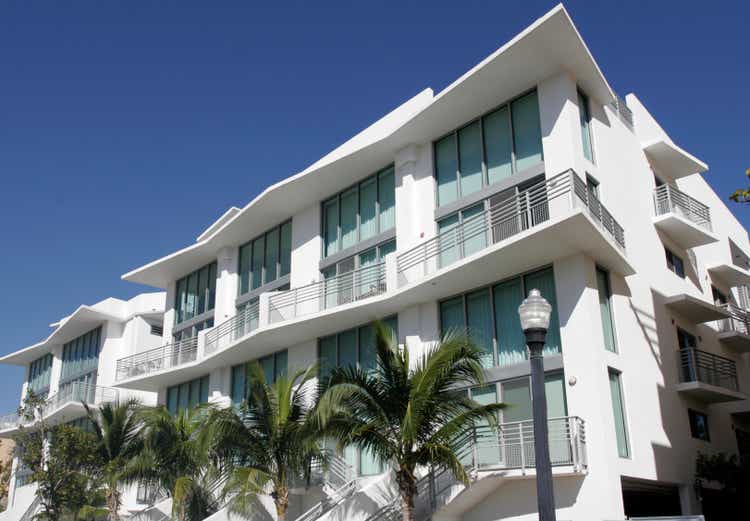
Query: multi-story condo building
pixel 526 172
pixel 74 365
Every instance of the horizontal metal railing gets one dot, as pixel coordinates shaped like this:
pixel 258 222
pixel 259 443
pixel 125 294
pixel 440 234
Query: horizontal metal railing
pixel 79 392
pixel 503 220
pixel 153 360
pixel 623 111
pixel 708 368
pixel 668 199
pixel 9 421
pixel 739 320
pixel 510 446
pixel 339 482
pixel 240 325
pixel 341 289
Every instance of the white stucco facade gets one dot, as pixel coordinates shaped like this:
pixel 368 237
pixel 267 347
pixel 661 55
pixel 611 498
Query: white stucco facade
pixel 582 219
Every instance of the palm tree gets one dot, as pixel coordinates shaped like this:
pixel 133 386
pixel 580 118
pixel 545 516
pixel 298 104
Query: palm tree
pixel 269 442
pixel 116 431
pixel 408 416
pixel 175 460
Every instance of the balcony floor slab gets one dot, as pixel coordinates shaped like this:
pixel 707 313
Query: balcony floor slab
pixel 708 393
pixel 683 231
pixel 736 341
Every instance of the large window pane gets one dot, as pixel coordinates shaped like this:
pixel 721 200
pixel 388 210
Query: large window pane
pixel 585 117
pixel 527 134
pixel 280 360
pixel 272 255
pixel 387 199
pixel 367 353
pixel 511 343
pixel 259 252
pixel 488 451
pixel 328 357
pixel 452 316
pixel 180 299
pixel 267 365
pixel 470 158
pixel 331 225
pixel 605 309
pixel 517 398
pixel 348 348
pixel 202 290
pixel 368 198
pixel 239 376
pixel 544 281
pixel 448 240
pixel 498 145
pixel 367 281
pixel 479 322
pixel 349 218
pixel 245 252
pixel 286 248
pixel 192 290
pixel 618 410
pixel 446 167
pixel 474 229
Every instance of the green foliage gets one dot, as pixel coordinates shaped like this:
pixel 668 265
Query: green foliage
pixel 742 195
pixel 731 475
pixel 174 458
pixel 408 415
pixel 5 468
pixel 269 443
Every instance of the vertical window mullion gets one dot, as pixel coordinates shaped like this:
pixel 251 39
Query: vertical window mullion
pixel 483 154
pixel 377 202
pixel 495 347
pixel 458 164
pixel 513 167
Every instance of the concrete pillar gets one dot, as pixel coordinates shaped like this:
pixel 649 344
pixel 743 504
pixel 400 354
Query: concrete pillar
pixel 415 195
pixel 307 246
pixel 227 280
pixel 169 312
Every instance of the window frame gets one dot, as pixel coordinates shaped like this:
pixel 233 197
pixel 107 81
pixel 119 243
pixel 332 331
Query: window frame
pixel 583 99
pixel 693 415
pixel 483 149
pixel 180 305
pixel 376 176
pixel 611 371
pixel 281 278
pixel 188 385
pixel 611 309
pixel 671 266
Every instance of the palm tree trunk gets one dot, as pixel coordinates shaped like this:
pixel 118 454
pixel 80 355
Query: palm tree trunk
pixel 282 503
pixel 113 503
pixel 407 486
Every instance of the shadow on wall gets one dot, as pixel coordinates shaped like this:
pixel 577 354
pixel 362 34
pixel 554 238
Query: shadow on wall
pixel 517 498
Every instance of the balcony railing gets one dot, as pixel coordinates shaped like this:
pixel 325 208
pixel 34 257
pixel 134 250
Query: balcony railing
pixel 708 368
pixel 668 199
pixel 334 291
pixel 510 446
pixel 503 220
pixel 9 421
pixel 243 323
pixel 738 322
pixel 77 392
pixel 153 360
pixel 626 115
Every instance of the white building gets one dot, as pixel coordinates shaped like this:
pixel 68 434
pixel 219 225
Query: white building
pixel 528 171
pixel 76 364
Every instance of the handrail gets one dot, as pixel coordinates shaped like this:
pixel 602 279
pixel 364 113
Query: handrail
pixel 738 321
pixel 338 290
pixel 704 367
pixel 668 199
pixel 525 210
pixel 79 392
pixel 164 357
pixel 9 421
pixel 510 446
pixel 240 325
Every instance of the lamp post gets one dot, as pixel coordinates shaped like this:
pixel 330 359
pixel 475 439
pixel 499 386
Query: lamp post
pixel 535 313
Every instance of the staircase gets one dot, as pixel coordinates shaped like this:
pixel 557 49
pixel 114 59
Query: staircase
pixel 339 483
pixel 505 452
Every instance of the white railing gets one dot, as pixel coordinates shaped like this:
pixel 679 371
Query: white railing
pixel 9 421
pixel 503 220
pixel 153 360
pixel 240 325
pixel 510 446
pixel 739 320
pixel 78 392
pixel 668 199
pixel 334 291
pixel 339 483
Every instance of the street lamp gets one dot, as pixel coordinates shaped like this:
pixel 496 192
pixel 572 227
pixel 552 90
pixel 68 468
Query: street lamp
pixel 535 313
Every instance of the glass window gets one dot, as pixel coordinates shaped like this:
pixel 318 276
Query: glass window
pixel 272 256
pixel 474 229
pixel 470 158
pixel 266 258
pixel 239 377
pixel 328 355
pixel 40 371
pixel 544 281
pixel 674 263
pixel 618 410
pixel 510 338
pixel 448 237
pixel 80 357
pixel 446 167
pixel 698 425
pixel 331 225
pixel 387 199
pixel 452 315
pixel 286 248
pixel 527 132
pixel 368 208
pixel 259 252
pixel 585 117
pixel 349 218
pixel 351 348
pixel 605 309
pixel 187 394
pixel 195 293
pixel 273 366
pixel 498 145
pixel 479 322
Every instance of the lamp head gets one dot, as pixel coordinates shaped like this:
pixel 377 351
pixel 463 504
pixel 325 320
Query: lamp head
pixel 534 311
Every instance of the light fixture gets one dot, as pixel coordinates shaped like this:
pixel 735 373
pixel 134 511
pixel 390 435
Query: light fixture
pixel 534 311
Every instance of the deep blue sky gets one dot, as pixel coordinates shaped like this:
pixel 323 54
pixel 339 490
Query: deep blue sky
pixel 127 127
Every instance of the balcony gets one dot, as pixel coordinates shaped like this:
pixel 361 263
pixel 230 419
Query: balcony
pixel 491 457
pixel 697 311
pixel 734 332
pixel 682 218
pixel 708 377
pixel 64 405
pixel 553 219
pixel 154 360
pixel 734 270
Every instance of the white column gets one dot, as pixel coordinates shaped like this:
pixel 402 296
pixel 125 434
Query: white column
pixel 169 312
pixel 227 280
pixel 306 246
pixel 415 195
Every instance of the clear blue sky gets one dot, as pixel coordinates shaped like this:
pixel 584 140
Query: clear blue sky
pixel 127 127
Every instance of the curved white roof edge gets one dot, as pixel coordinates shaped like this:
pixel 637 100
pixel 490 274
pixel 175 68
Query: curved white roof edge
pixel 539 39
pixel 86 316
